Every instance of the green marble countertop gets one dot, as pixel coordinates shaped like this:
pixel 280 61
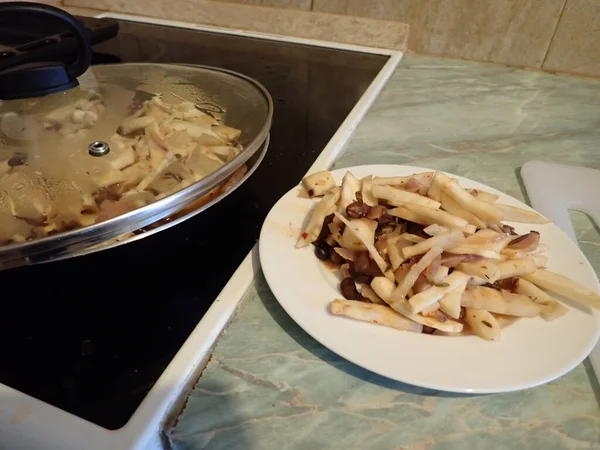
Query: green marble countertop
pixel 269 385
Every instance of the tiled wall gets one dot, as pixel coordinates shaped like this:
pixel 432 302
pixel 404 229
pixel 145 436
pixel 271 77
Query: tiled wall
pixel 576 44
pixel 251 15
pixel 554 35
pixel 515 32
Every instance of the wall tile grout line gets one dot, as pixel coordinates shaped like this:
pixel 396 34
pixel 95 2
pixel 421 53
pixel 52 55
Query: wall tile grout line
pixel 560 15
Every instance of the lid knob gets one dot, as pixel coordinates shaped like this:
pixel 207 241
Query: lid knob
pixel 98 148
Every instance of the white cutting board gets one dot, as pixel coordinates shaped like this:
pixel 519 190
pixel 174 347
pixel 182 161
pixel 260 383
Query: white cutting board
pixel 553 190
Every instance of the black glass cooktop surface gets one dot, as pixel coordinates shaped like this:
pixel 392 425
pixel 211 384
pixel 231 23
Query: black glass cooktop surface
pixel 91 335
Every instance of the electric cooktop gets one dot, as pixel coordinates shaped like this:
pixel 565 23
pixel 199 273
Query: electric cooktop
pixel 91 335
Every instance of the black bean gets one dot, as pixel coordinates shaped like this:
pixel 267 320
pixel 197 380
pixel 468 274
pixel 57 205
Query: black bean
pixel 361 262
pixel 336 258
pixel 325 228
pixel 348 288
pixel 373 269
pixel 322 252
pixel 362 278
pixel 18 159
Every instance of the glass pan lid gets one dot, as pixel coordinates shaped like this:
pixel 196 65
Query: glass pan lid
pixel 132 144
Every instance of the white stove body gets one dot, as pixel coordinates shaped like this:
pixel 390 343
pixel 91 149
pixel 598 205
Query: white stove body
pixel 27 423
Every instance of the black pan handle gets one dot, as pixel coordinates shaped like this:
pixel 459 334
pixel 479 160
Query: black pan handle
pixel 84 56
pixel 34 79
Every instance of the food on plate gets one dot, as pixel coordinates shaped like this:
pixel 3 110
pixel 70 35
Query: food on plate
pixel 156 149
pixel 319 183
pixel 370 312
pixel 423 254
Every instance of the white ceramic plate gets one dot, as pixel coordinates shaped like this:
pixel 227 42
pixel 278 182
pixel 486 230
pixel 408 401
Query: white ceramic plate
pixel 530 352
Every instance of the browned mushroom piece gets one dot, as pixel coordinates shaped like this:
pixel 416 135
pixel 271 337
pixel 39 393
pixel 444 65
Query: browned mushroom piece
pixel 377 212
pixel 357 210
pixel 451 260
pixel 526 243
pixel 508 229
pixel 507 284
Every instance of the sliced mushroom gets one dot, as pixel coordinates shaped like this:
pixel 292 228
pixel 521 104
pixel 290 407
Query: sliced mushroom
pixel 451 260
pixel 357 210
pixel 526 243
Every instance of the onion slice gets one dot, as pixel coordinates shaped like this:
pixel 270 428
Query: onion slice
pixel 383 266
